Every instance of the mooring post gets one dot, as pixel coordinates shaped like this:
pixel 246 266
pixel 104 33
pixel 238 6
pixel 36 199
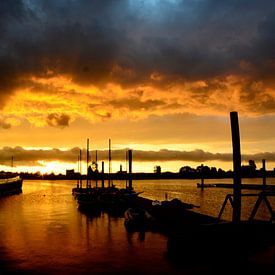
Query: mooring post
pixel 264 173
pixel 80 168
pixel 110 164
pixel 130 168
pixel 236 218
pixel 126 162
pixel 102 172
pixel 202 177
pixel 96 170
pixel 88 163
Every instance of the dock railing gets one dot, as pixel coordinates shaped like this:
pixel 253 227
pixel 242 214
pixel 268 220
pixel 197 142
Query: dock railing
pixel 262 198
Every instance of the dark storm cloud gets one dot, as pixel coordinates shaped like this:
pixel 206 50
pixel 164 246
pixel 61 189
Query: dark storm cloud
pixel 125 41
pixel 58 120
pixel 4 124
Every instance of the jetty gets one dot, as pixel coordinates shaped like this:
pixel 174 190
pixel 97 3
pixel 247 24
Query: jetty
pixel 247 186
pixel 194 236
pixel 233 241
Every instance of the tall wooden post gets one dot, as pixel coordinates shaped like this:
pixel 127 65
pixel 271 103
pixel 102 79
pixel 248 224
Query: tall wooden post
pixel 77 171
pixel 80 167
pixel 264 173
pixel 202 177
pixel 87 163
pixel 96 170
pixel 110 163
pixel 130 168
pixel 236 218
pixel 102 172
pixel 126 162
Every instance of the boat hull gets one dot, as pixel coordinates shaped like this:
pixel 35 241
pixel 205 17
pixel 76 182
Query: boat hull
pixel 11 186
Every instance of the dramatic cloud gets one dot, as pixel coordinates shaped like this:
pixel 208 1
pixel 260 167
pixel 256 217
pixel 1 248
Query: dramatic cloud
pixel 22 156
pixel 58 120
pixel 212 56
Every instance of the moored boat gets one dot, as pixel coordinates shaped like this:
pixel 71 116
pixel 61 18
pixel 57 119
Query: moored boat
pixel 10 186
pixel 137 218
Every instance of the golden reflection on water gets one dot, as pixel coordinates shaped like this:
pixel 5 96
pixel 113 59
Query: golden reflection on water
pixel 43 232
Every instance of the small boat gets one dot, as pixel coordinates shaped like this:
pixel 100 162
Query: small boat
pixel 137 218
pixel 10 186
pixel 89 201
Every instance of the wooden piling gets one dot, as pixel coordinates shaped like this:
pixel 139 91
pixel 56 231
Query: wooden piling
pixel 202 177
pixel 110 162
pixel 130 168
pixel 102 172
pixel 87 163
pixel 264 173
pixel 80 167
pixel 126 162
pixel 96 168
pixel 236 217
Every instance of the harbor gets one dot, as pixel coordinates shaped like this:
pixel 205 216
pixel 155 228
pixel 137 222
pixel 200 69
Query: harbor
pixel 44 221
pixel 137 137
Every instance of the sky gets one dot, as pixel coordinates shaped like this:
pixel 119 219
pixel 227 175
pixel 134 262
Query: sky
pixel 158 76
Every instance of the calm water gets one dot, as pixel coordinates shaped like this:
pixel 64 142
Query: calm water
pixel 42 231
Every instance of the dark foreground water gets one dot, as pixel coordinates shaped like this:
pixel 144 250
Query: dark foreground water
pixel 43 232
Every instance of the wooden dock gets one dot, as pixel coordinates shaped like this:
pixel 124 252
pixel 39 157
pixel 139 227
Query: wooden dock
pixel 267 187
pixel 172 216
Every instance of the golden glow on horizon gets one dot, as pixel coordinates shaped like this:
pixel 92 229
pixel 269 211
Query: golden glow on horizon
pixel 146 167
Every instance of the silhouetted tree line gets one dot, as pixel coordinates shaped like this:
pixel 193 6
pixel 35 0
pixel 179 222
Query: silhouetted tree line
pixel 185 172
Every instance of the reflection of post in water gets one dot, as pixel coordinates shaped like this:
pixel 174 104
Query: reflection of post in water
pixel 141 235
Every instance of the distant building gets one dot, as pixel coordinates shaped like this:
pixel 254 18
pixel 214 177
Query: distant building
pixel 70 173
pixel 157 169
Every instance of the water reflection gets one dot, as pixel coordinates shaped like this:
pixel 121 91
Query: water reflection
pixel 43 232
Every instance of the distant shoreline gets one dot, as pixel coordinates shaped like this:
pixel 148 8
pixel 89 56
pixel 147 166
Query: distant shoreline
pixel 141 176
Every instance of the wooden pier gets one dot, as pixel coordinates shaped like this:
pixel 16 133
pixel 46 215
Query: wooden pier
pixel 249 186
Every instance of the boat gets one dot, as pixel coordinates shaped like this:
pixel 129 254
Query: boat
pixel 106 199
pixel 137 218
pixel 10 186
